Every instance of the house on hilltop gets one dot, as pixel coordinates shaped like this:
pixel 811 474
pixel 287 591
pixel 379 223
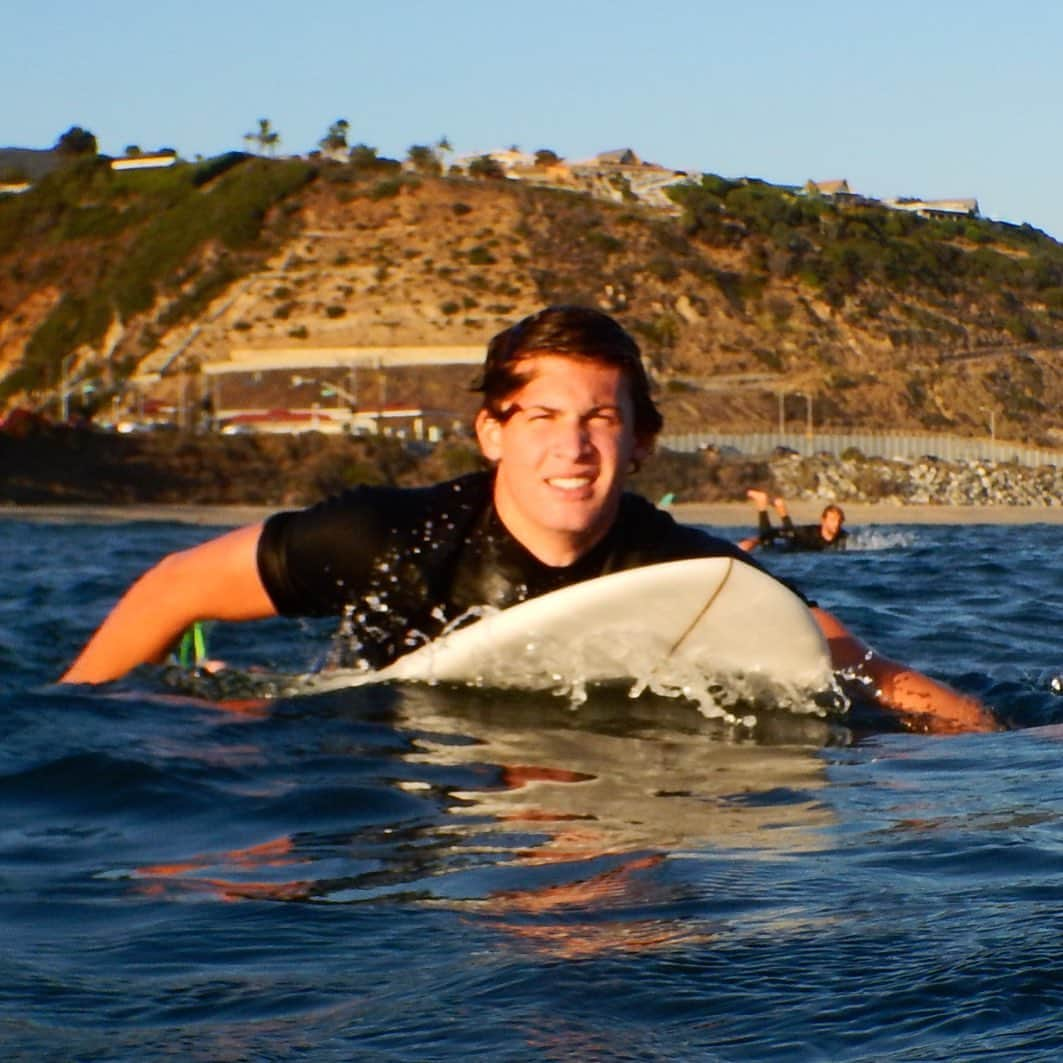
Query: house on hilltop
pixel 828 188
pixel 621 175
pixel 936 208
pixel 157 160
pixel 620 157
pixel 840 191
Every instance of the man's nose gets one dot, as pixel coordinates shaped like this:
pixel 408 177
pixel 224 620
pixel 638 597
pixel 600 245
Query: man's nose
pixel 571 437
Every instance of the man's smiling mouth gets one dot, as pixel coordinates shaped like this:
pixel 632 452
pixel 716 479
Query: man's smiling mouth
pixel 569 483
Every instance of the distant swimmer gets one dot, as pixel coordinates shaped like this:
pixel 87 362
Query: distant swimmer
pixel 828 534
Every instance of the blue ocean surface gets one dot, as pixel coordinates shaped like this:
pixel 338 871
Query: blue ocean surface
pixel 430 873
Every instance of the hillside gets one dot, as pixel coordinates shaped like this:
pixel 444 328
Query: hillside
pixel 743 293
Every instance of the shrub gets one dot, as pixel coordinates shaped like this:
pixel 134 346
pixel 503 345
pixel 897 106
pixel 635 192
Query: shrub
pixel 486 168
pixel 663 268
pixel 605 241
pixel 386 189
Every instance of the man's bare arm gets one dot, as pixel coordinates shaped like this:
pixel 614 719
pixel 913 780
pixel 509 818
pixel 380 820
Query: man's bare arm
pixel 916 698
pixel 217 580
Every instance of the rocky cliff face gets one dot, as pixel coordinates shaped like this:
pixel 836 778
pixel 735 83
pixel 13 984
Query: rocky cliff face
pixel 933 327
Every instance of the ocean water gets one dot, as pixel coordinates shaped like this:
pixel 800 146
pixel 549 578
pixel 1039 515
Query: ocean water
pixel 191 872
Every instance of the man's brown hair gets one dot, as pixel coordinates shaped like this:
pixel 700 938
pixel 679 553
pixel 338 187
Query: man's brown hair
pixel 574 332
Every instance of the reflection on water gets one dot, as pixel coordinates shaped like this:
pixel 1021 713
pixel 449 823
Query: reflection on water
pixel 501 804
pixel 627 775
pixel 588 803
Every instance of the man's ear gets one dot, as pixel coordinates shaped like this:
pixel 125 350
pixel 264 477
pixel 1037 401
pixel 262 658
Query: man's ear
pixel 488 435
pixel 643 449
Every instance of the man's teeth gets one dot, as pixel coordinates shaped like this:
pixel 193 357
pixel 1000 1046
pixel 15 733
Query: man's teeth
pixel 569 483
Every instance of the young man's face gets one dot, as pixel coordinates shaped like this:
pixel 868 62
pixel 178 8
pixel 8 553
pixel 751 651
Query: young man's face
pixel 563 455
pixel 830 524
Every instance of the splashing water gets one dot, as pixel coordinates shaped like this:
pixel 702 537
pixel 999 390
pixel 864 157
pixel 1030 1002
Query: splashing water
pixel 569 668
pixel 871 539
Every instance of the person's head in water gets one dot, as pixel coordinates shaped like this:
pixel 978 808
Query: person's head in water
pixel 830 522
pixel 576 332
pixel 566 415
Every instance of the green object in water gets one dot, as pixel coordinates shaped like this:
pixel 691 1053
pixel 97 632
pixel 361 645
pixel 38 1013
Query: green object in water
pixel 193 649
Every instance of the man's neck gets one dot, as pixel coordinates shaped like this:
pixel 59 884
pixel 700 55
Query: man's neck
pixel 555 549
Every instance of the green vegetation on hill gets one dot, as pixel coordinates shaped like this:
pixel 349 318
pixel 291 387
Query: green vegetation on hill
pixel 142 232
pixel 844 250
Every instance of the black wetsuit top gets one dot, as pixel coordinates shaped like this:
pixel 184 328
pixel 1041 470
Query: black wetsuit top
pixel 406 561
pixel 796 537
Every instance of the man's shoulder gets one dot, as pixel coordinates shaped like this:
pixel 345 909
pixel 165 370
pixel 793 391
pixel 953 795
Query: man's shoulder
pixel 378 513
pixel 312 560
pixel 653 531
pixel 389 499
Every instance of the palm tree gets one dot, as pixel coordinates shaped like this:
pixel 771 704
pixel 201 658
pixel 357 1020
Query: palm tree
pixel 266 137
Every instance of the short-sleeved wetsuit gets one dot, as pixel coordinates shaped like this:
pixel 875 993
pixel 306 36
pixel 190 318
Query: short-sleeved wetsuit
pixel 797 537
pixel 402 563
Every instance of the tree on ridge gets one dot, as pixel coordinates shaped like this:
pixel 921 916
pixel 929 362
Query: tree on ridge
pixel 334 142
pixel 76 141
pixel 266 137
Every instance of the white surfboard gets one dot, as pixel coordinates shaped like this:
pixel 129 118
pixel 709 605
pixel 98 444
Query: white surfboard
pixel 713 617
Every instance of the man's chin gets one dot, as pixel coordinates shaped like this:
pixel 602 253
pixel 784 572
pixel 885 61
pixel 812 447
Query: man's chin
pixel 581 520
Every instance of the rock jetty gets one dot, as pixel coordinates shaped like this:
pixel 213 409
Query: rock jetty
pixel 924 481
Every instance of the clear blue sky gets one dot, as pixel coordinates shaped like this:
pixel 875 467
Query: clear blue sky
pixel 933 98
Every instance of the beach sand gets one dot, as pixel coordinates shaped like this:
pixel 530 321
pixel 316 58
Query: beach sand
pixel 723 514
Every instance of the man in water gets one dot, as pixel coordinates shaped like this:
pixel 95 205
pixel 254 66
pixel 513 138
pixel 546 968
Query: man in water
pixel 828 534
pixel 566 415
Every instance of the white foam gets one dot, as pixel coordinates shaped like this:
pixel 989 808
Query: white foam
pixel 877 539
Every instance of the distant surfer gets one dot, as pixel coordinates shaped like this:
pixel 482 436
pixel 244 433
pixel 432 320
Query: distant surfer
pixel 828 534
pixel 566 415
